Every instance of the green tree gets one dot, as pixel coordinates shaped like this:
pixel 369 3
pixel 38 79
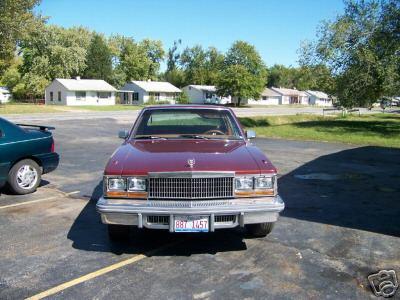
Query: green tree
pixel 16 22
pixel 183 98
pixel 140 61
pixel 201 66
pixel 98 59
pixel 155 52
pixel 55 52
pixel 361 48
pixel 244 73
pixel 174 74
pixel 12 76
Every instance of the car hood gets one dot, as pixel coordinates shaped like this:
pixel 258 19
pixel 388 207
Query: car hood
pixel 140 157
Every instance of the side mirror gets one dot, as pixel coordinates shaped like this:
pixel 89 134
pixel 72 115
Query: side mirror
pixel 123 134
pixel 250 134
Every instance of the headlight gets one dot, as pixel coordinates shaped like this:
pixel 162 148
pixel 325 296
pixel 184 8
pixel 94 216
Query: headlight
pixel 136 184
pixel 264 182
pixel 117 184
pixel 244 183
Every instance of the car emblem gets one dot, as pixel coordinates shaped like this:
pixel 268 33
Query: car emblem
pixel 191 162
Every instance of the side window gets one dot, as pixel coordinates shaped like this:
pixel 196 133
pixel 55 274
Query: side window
pixel 59 96
pixel 1 133
pixel 51 96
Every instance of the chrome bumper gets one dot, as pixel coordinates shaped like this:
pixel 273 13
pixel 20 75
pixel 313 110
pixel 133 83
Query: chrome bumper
pixel 241 211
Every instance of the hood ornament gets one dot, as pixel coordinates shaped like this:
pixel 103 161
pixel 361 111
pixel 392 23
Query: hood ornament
pixel 191 162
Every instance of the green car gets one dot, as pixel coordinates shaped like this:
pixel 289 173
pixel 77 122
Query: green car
pixel 26 152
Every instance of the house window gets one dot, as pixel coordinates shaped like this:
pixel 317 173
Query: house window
pixel 135 96
pixel 208 95
pixel 80 95
pixel 125 95
pixel 157 96
pixel 59 96
pixel 264 97
pixel 103 95
pixel 51 96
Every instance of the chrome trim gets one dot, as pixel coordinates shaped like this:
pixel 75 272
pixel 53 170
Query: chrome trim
pixel 247 211
pixel 188 188
pixel 192 174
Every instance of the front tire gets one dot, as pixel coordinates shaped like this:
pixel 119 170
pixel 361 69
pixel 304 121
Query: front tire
pixel 260 229
pixel 24 177
pixel 118 232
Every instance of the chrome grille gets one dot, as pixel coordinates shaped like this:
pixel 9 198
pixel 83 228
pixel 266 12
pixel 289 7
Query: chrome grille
pixel 225 219
pixel 163 220
pixel 190 188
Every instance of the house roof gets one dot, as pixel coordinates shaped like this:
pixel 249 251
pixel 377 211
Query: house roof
pixel 86 85
pixel 289 92
pixel 157 86
pixel 318 94
pixel 269 93
pixel 204 88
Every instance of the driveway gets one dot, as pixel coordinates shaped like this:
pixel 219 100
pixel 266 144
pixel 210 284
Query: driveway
pixel 340 225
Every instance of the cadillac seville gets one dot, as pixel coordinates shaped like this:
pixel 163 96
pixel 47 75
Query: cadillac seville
pixel 187 168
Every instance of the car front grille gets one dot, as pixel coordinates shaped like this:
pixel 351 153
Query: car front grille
pixel 190 188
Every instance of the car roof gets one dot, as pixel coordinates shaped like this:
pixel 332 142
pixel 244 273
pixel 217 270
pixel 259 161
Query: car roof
pixel 187 106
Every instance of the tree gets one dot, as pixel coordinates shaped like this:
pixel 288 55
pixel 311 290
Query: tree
pixel 98 59
pixel 361 48
pixel 173 56
pixel 183 98
pixel 244 73
pixel 55 52
pixel 51 52
pixel 16 22
pixel 140 61
pixel 155 52
pixel 174 74
pixel 11 76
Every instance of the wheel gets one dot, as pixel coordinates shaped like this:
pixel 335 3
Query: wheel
pixel 24 177
pixel 260 229
pixel 118 232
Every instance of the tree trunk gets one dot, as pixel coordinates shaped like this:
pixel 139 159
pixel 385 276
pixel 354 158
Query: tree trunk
pixel 238 101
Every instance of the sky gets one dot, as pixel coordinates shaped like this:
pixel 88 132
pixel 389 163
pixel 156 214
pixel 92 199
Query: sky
pixel 275 27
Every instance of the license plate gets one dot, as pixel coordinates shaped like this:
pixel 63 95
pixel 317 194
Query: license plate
pixel 191 224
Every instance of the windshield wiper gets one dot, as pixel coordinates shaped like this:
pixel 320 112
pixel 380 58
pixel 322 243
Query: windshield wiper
pixel 194 136
pixel 149 137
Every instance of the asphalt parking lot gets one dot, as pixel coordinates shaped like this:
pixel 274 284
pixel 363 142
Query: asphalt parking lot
pixel 341 223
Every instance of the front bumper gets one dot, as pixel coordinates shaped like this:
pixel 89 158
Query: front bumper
pixel 159 214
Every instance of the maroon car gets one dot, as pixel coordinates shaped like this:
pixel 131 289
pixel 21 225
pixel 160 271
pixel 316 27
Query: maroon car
pixel 189 169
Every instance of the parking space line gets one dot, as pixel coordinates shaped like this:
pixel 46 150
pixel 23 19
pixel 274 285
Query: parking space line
pixel 35 201
pixel 97 273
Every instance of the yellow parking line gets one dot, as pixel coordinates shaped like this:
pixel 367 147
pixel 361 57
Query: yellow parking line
pixel 95 274
pixel 35 201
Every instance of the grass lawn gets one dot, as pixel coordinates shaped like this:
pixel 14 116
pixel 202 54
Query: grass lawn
pixel 22 108
pixel 116 107
pixel 26 109
pixel 378 129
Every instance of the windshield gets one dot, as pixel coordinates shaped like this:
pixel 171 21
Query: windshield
pixel 187 123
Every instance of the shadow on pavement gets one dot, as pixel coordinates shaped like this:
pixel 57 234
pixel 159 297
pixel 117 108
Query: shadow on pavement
pixel 89 234
pixel 360 189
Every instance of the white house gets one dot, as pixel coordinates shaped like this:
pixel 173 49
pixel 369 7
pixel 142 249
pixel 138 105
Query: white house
pixel 79 92
pixel 140 92
pixel 319 98
pixel 204 94
pixel 292 96
pixel 268 97
pixel 4 95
